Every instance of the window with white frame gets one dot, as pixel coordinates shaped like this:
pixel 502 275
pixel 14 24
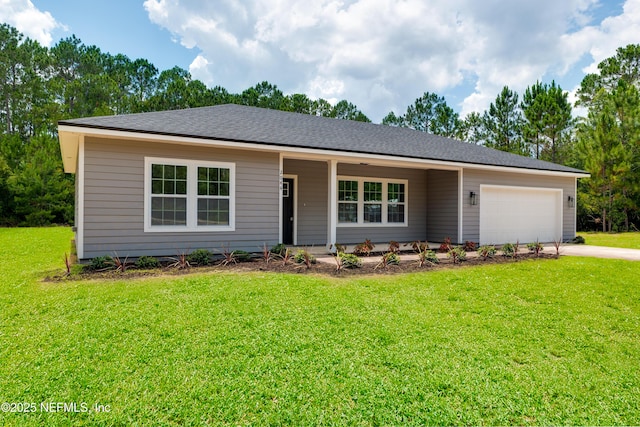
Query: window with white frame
pixel 189 195
pixel 372 202
pixel 169 194
pixel 396 202
pixel 347 201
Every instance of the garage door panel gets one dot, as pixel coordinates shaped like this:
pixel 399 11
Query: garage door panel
pixel 508 214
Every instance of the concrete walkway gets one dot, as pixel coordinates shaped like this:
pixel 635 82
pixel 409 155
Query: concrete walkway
pixel 599 252
pixel 565 249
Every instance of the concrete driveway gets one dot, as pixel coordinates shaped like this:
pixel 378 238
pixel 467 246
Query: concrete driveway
pixel 599 252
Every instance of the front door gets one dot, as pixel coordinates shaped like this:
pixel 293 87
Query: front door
pixel 287 210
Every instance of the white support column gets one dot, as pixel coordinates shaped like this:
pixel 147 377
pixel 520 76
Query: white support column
pixel 80 200
pixel 280 174
pixel 575 211
pixel 460 204
pixel 332 214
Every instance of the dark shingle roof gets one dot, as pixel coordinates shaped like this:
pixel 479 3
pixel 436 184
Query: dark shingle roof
pixel 278 128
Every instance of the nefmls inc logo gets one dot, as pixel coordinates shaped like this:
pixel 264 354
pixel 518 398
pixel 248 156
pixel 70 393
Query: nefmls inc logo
pixel 64 407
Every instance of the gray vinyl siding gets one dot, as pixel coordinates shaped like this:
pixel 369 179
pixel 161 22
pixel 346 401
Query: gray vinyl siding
pixel 473 178
pixel 312 209
pixel 442 205
pixel 417 200
pixel 114 200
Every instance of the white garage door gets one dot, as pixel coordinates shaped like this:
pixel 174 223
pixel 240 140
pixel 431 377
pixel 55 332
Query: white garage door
pixel 510 214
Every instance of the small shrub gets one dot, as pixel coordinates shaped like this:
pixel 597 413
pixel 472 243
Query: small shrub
pixel 508 250
pixel 431 256
pixel 364 248
pixel 180 261
pixel 228 257
pixel 469 246
pixel 535 247
pixel 267 255
pixel 457 254
pixel 446 245
pixel 393 258
pixel 340 249
pixel 557 244
pixel 579 240
pixel 147 262
pixel 279 249
pixel 67 263
pixel 487 251
pixel 303 256
pixel 418 246
pixel 119 264
pixel 200 257
pixel 339 265
pixel 100 263
pixel 427 257
pixel 394 247
pixel 350 260
pixel 286 256
pixel 388 259
pixel 242 256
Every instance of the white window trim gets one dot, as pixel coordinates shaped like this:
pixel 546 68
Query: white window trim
pixel 385 203
pixel 192 196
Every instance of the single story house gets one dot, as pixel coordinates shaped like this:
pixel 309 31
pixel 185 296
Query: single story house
pixel 161 183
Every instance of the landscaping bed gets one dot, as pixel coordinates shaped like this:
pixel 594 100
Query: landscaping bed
pixel 372 264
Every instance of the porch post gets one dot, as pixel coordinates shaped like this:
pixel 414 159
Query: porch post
pixel 461 199
pixel 332 215
pixel 79 218
pixel 280 213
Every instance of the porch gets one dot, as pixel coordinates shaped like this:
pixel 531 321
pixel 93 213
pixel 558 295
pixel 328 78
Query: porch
pixel 325 201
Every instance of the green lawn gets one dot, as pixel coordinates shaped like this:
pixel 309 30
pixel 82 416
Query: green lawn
pixel 616 240
pixel 543 342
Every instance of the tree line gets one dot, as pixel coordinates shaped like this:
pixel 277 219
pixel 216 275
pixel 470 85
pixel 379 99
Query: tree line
pixel 41 85
pixel 538 126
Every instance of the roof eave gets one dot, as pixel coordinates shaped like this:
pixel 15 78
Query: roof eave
pixel 72 130
pixel 69 145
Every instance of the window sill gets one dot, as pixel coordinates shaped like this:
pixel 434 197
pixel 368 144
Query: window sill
pixel 370 224
pixel 172 229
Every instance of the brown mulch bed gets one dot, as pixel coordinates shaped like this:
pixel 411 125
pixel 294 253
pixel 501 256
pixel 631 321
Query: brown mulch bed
pixel 370 266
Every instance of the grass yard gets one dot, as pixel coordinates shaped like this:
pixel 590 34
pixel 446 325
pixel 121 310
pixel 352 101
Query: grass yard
pixel 615 240
pixel 541 342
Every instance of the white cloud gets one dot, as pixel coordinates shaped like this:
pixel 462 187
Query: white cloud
pixel 572 97
pixel 601 41
pixel 382 54
pixel 200 70
pixel 29 20
pixel 327 89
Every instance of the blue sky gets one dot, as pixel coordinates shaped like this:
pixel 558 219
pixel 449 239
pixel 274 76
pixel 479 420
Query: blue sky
pixel 378 54
pixel 117 26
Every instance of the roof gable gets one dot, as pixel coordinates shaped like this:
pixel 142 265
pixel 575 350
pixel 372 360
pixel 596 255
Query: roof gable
pixel 272 127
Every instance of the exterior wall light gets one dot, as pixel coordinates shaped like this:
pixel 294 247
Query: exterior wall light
pixel 473 198
pixel 571 201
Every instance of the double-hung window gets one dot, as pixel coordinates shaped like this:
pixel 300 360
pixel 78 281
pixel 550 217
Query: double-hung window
pixel 395 202
pixel 348 201
pixel 168 194
pixel 372 202
pixel 213 195
pixel 189 195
